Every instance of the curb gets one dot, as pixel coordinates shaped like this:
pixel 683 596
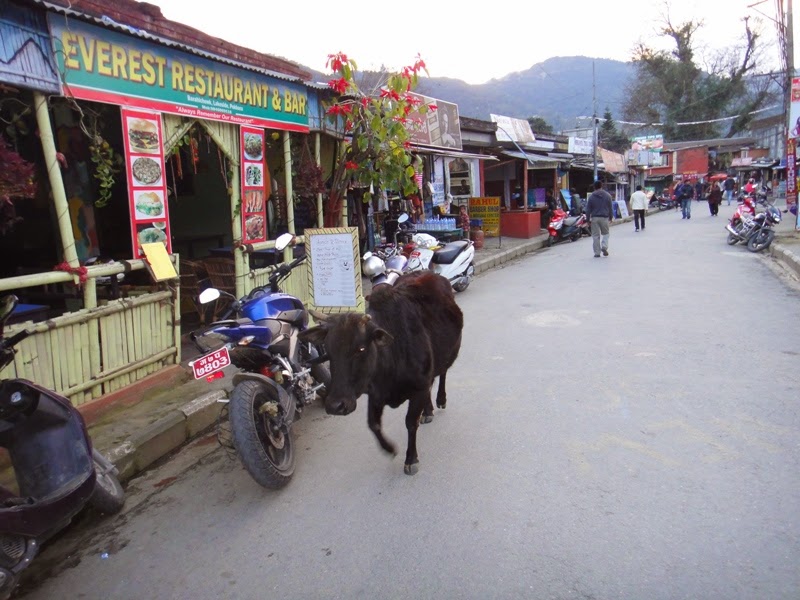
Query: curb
pixel 787 258
pixel 165 435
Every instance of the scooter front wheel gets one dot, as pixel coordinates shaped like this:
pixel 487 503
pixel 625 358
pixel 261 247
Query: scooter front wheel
pixel 108 496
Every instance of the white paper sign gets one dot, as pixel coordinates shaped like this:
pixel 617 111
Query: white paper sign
pixel 333 269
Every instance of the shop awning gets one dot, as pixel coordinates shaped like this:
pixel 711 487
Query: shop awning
pixel 451 153
pixel 535 161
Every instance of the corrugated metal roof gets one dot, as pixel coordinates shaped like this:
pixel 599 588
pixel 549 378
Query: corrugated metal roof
pixel 534 160
pixel 26 59
pixel 108 22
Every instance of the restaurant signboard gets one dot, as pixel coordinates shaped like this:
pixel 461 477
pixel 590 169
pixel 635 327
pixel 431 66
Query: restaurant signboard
pixel 255 177
pixel 103 65
pixel 147 185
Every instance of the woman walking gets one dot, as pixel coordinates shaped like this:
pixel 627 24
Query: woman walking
pixel 714 198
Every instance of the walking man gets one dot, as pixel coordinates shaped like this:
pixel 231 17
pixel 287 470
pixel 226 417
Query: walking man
pixel 638 206
pixel 685 193
pixel 600 213
pixel 729 184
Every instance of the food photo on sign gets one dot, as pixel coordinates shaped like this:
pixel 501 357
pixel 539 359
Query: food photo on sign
pixel 149 204
pixel 143 136
pixel 149 233
pixel 146 171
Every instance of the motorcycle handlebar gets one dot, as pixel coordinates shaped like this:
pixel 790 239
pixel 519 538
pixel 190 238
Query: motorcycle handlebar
pixel 14 339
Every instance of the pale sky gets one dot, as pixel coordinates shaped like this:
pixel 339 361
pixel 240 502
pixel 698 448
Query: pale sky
pixel 471 41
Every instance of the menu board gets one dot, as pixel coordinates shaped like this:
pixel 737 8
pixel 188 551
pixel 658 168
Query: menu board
pixel 147 185
pixel 334 266
pixel 255 178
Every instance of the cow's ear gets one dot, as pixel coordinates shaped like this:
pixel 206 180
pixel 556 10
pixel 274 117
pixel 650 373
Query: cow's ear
pixel 315 335
pixel 381 337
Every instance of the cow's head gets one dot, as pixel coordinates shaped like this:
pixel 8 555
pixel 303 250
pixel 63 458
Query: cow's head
pixel 352 341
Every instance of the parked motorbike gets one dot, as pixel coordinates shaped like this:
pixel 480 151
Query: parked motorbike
pixel 741 224
pixel 563 227
pixel 56 469
pixel 454 261
pixel 280 375
pixel 763 229
pixel 662 202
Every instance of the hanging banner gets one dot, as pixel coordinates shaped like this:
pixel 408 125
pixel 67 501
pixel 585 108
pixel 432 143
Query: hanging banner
pixel 147 185
pixel 103 65
pixel 794 109
pixel 488 211
pixel 255 178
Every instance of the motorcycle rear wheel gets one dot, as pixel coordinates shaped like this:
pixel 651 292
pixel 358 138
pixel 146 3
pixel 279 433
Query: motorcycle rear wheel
pixel 265 449
pixel 108 496
pixel 760 240
pixel 462 285
pixel 732 239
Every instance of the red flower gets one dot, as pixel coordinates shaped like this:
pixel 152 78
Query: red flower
pixel 390 94
pixel 351 165
pixel 365 102
pixel 340 109
pixel 338 85
pixel 336 61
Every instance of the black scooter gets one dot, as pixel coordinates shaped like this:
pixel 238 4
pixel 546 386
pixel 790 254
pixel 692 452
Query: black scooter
pixel 56 469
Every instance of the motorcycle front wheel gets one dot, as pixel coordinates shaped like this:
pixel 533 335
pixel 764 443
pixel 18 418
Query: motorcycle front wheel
pixel 732 239
pixel 760 240
pixel 264 445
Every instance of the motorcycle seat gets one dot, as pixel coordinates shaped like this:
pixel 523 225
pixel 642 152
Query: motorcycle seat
pixel 447 254
pixel 569 221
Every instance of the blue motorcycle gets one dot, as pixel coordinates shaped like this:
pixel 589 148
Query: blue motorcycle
pixel 280 375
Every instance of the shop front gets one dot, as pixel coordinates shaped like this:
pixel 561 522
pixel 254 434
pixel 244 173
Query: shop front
pixel 146 143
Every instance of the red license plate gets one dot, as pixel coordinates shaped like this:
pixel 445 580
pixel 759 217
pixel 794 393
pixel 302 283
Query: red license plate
pixel 416 254
pixel 211 363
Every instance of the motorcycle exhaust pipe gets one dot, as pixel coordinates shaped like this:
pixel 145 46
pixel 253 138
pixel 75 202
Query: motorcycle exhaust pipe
pixel 731 229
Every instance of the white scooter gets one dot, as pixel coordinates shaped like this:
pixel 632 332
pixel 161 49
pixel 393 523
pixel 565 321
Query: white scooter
pixel 453 261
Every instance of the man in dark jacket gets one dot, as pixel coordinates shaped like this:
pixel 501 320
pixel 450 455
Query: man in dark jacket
pixel 730 184
pixel 685 193
pixel 600 213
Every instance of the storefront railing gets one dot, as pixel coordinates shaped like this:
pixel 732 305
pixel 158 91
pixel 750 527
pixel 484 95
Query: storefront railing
pixel 99 349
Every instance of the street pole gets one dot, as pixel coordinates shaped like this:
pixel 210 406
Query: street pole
pixel 594 127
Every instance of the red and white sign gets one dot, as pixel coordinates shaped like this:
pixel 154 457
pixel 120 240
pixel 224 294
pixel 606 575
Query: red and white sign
pixel 147 183
pixel 211 363
pixel 255 183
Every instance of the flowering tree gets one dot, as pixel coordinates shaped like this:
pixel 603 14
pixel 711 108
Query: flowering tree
pixel 16 181
pixel 378 128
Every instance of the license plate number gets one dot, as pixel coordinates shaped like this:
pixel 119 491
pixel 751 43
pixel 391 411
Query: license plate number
pixel 211 363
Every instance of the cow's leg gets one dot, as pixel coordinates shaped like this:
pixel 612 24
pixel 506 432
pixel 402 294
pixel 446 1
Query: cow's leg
pixel 427 411
pixel 415 406
pixel 441 394
pixel 374 414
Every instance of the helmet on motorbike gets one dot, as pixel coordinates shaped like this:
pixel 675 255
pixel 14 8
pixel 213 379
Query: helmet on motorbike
pixel 373 266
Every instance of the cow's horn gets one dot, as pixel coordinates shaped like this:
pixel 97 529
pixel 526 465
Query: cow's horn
pixel 318 316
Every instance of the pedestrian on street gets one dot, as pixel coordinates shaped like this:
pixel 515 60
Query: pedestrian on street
pixel 729 184
pixel 698 190
pixel 600 213
pixel 685 193
pixel 638 206
pixel 714 198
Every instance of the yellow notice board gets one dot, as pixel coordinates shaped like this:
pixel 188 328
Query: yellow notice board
pixel 488 210
pixel 158 261
pixel 334 269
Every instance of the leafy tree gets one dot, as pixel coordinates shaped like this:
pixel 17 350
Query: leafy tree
pixel 16 182
pixel 671 87
pixel 609 137
pixel 539 125
pixel 377 123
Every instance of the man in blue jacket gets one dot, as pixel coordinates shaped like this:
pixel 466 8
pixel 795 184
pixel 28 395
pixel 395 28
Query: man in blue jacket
pixel 600 213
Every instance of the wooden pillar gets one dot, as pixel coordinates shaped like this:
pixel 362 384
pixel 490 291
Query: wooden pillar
pixel 340 154
pixel 241 265
pixel 287 168
pixel 56 181
pixel 318 159
pixel 524 186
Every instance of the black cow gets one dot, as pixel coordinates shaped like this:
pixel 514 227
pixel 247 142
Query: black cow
pixel 410 335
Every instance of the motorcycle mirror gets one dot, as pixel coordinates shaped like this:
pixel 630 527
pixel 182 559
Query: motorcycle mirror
pixel 7 305
pixel 209 295
pixel 283 241
pixel 402 218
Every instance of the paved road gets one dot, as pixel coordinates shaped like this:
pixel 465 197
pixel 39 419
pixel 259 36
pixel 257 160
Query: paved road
pixel 621 427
